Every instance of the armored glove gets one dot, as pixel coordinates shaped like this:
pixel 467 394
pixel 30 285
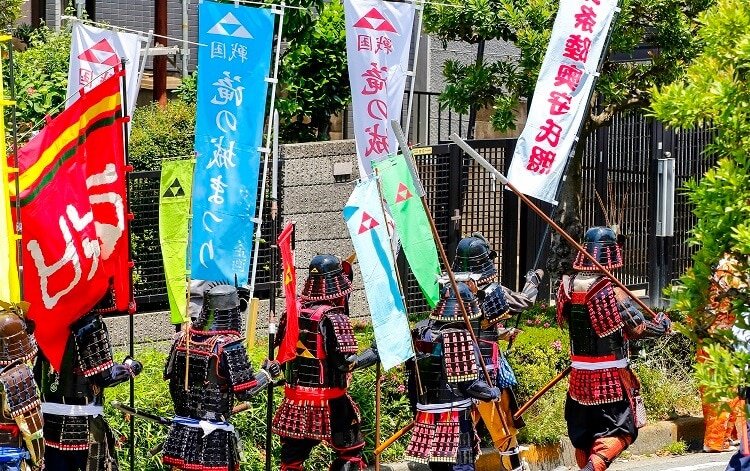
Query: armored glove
pixel 273 367
pixel 367 358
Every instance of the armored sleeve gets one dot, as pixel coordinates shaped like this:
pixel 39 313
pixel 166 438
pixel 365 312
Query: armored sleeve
pixel 22 403
pixel 563 300
pixel 517 301
pixel 479 389
pixel 636 325
pixel 235 365
pixel 339 339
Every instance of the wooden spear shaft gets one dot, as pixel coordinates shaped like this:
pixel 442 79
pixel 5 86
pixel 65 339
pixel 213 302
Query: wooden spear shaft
pixel 484 163
pixel 541 392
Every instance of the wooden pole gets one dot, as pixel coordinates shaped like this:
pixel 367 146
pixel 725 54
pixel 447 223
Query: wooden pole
pixel 393 438
pixel 541 392
pixel 484 163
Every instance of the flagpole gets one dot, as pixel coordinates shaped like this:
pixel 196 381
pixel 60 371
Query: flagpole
pixel 274 277
pixel 420 17
pixel 131 264
pixel 484 163
pixel 17 204
pixel 439 244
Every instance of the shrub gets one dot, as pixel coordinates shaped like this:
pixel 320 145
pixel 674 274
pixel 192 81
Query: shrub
pixel 159 133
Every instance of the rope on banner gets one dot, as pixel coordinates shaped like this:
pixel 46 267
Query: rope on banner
pixel 261 4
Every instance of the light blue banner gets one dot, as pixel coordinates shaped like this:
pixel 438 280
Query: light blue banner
pixel 233 63
pixel 367 226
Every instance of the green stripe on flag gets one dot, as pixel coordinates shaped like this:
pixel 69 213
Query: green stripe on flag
pixel 174 211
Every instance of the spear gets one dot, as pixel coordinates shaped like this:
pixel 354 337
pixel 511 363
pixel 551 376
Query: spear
pixel 495 173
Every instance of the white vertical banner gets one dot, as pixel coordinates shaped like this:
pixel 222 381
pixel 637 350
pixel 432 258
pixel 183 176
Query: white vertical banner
pixel 378 40
pixel 561 97
pixel 94 52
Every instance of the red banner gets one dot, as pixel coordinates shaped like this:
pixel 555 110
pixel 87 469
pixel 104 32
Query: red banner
pixel 75 230
pixel 288 347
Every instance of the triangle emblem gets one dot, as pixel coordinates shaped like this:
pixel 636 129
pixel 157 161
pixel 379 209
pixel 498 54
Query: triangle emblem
pixel 403 193
pixel 368 222
pixel 375 20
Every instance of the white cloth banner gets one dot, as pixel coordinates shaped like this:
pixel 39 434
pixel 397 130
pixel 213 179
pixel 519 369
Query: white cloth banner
pixel 561 96
pixel 378 41
pixel 93 54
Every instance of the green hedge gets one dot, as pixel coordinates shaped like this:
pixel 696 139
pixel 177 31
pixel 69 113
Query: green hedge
pixel 539 354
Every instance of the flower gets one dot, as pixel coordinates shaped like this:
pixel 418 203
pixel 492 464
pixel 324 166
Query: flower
pixel 546 324
pixel 556 345
pixel 529 322
pixel 401 388
pixel 30 91
pixel 543 306
pixel 537 321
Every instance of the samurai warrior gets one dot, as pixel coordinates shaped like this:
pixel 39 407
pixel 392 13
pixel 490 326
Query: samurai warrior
pixel 474 256
pixel 207 369
pixel 316 406
pixel 21 440
pixel 604 408
pixel 75 433
pixel 444 382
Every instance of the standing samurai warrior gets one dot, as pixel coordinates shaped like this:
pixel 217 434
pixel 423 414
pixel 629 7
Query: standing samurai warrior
pixel 444 383
pixel 603 409
pixel 207 369
pixel 316 406
pixel 21 440
pixel 473 255
pixel 75 433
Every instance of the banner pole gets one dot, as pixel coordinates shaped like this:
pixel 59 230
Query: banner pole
pixel 439 244
pixel 484 163
pixel 420 17
pixel 17 204
pixel 131 264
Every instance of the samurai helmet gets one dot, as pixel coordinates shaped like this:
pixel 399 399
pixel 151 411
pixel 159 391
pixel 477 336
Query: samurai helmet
pixel 16 342
pixel 473 254
pixel 328 278
pixel 601 243
pixel 448 309
pixel 220 311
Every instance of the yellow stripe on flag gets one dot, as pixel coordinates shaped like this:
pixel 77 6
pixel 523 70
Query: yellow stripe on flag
pixel 32 174
pixel 10 286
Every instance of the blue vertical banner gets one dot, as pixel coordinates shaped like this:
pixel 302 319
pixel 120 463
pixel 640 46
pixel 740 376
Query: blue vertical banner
pixel 367 226
pixel 233 63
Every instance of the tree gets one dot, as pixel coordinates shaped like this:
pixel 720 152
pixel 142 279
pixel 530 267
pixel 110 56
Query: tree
pixel 716 93
pixel 667 27
pixel 10 10
pixel 314 78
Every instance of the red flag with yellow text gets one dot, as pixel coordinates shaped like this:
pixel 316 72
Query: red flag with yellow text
pixel 288 347
pixel 75 230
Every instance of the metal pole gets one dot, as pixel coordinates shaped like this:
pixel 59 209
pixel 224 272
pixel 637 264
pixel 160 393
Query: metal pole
pixel 17 205
pixel 420 17
pixel 128 217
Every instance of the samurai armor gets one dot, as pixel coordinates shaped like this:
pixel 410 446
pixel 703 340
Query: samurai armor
pixel 346 342
pixel 495 306
pixel 326 279
pixel 601 243
pixel 66 432
pixel 473 254
pixel 590 387
pixel 220 312
pixel 460 360
pixel 93 350
pixel 241 375
pixel 188 448
pixel 20 400
pixel 448 308
pixel 15 342
pixel 445 437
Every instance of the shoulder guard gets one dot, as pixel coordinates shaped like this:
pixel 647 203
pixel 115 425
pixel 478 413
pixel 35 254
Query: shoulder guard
pixel 342 330
pixel 459 357
pixel 495 305
pixel 21 401
pixel 238 367
pixel 601 305
pixel 93 350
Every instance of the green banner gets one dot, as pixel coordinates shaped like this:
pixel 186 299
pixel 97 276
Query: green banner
pixel 412 224
pixel 174 214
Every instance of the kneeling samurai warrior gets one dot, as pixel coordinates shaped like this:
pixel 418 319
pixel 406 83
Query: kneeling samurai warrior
pixel 21 440
pixel 443 382
pixel 207 369
pixel 75 433
pixel 316 406
pixel 604 408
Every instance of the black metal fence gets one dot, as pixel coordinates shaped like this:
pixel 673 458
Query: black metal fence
pixel 149 285
pixel 619 167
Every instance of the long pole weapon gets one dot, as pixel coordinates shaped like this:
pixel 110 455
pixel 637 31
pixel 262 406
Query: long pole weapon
pixel 517 415
pixel 439 244
pixel 495 173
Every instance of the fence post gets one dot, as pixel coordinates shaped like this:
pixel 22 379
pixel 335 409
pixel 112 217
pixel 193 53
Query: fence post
pixel 660 247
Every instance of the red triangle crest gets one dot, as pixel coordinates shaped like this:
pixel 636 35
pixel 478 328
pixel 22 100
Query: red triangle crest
pixel 375 20
pixel 403 193
pixel 368 222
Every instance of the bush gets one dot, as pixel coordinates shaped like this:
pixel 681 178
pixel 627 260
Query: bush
pixel 159 133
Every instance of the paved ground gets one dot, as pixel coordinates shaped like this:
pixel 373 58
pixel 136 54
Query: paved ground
pixel 689 462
